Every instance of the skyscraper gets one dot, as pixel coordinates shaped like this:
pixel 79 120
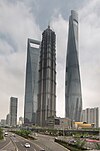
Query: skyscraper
pixel 73 95
pixel 13 111
pixel 8 120
pixel 31 85
pixel 47 78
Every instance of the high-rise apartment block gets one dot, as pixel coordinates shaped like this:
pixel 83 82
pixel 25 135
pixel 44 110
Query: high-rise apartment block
pixel 3 122
pixel 91 116
pixel 47 78
pixel 73 95
pixel 31 83
pixel 8 120
pixel 13 111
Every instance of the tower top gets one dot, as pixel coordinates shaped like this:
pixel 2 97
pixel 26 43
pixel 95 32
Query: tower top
pixel 48 30
pixel 49 25
pixel 74 15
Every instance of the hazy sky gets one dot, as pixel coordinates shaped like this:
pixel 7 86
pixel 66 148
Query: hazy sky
pixel 22 19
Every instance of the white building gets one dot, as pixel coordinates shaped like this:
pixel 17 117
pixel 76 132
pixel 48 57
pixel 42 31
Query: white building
pixel 21 121
pixel 91 115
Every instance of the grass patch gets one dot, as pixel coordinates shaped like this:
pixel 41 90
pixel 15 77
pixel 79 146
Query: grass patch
pixel 72 147
pixel 24 133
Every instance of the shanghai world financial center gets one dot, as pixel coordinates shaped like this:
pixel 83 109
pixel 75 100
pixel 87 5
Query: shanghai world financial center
pixel 40 83
pixel 31 85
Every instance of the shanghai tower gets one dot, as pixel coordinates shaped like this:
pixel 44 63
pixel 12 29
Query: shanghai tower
pixel 47 78
pixel 31 82
pixel 73 95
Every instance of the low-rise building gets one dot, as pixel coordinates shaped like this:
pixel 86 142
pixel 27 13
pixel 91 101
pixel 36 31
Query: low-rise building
pixel 79 125
pixel 59 123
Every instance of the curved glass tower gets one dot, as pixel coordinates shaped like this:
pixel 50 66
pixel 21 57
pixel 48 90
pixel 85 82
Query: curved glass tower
pixel 73 95
pixel 31 83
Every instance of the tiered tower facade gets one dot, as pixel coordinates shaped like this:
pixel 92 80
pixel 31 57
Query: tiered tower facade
pixel 47 78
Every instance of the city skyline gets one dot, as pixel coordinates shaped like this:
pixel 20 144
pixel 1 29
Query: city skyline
pixel 29 19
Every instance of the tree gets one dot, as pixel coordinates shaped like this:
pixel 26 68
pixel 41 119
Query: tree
pixel 1 133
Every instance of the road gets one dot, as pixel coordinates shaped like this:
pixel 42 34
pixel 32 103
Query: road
pixel 16 143
pixel 7 144
pixel 47 142
pixel 20 142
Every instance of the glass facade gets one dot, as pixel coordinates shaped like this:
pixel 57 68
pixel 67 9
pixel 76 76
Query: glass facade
pixel 73 95
pixel 31 85
pixel 47 78
pixel 13 111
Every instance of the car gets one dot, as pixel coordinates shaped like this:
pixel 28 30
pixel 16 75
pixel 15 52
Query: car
pixel 13 135
pixel 27 145
pixel 6 134
pixel 72 141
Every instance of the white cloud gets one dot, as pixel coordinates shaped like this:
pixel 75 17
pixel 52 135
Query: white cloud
pixel 60 27
pixel 90 53
pixel 16 25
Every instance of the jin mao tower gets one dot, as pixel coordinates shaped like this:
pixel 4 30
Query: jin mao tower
pixel 47 78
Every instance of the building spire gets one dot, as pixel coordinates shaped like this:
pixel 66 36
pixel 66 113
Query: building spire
pixel 49 25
